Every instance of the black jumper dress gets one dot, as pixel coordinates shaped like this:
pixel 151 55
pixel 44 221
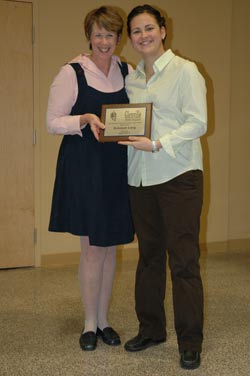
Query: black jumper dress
pixel 90 195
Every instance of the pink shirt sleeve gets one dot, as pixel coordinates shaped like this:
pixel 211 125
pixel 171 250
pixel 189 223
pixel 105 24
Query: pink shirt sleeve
pixel 62 96
pixel 64 91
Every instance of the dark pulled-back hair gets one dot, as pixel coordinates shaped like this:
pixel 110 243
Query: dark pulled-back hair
pixel 145 9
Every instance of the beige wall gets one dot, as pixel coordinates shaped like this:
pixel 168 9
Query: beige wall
pixel 239 178
pixel 215 34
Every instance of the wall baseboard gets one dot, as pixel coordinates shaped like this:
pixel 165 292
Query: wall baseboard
pixel 229 245
pixel 129 252
pixel 126 252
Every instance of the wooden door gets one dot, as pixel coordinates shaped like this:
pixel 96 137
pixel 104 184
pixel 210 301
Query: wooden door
pixel 16 135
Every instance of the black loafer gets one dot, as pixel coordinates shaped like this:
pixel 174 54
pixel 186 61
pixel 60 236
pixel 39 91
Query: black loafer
pixel 88 341
pixel 140 342
pixel 190 359
pixel 109 336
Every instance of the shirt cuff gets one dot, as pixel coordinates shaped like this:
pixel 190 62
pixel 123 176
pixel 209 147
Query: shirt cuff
pixel 166 144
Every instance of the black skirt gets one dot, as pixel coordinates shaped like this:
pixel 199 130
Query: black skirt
pixel 91 193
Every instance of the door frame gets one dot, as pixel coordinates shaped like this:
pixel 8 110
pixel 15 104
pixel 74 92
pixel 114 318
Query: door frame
pixel 37 148
pixel 36 125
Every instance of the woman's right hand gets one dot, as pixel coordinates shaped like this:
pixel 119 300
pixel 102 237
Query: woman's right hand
pixel 94 123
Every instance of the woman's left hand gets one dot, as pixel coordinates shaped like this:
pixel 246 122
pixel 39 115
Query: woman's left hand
pixel 139 143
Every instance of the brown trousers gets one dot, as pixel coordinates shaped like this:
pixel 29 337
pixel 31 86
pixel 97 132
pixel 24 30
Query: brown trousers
pixel 167 222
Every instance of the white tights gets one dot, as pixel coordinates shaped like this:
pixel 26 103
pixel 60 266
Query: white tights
pixel 96 274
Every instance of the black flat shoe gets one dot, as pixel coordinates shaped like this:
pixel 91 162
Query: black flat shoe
pixel 140 342
pixel 88 341
pixel 109 336
pixel 190 359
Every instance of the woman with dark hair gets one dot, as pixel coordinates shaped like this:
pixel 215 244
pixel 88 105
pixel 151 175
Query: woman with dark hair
pixel 90 196
pixel 165 179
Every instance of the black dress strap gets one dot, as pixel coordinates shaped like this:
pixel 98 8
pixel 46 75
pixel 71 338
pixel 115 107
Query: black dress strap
pixel 79 71
pixel 124 69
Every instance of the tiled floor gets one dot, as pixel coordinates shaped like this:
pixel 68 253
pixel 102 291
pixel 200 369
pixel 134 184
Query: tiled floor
pixel 41 319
